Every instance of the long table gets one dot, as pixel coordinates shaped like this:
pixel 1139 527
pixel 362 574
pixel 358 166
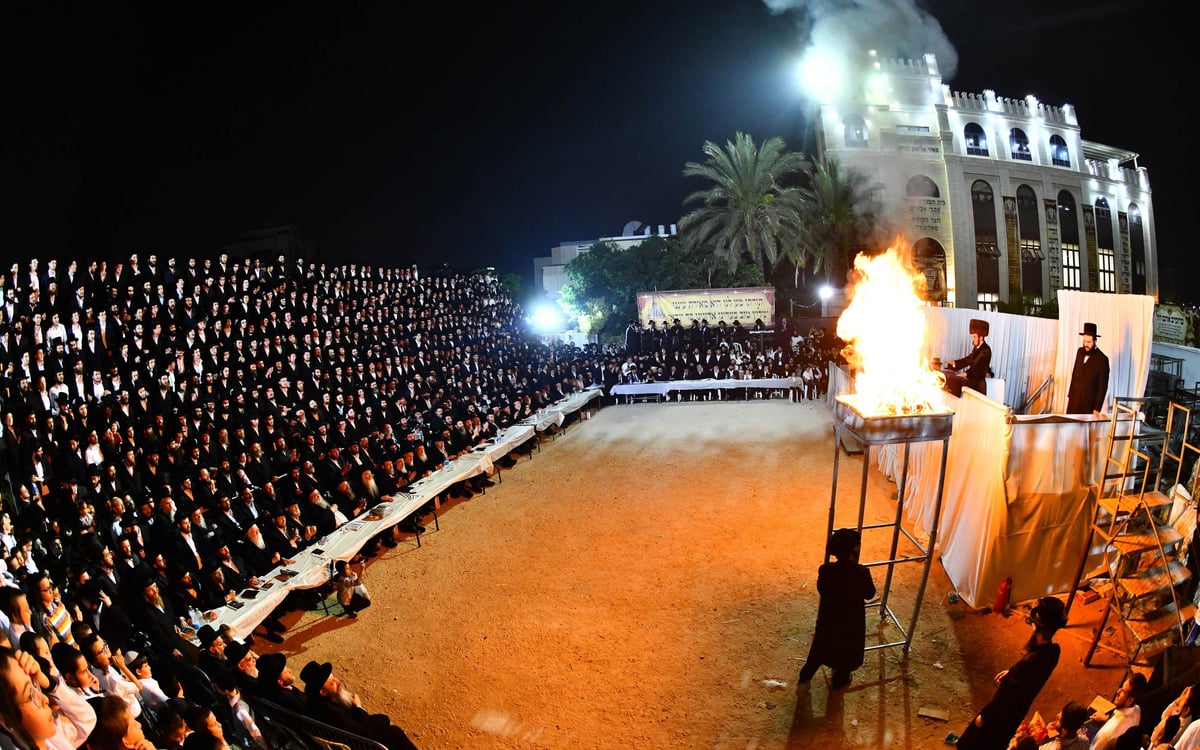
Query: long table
pixel 662 388
pixel 313 566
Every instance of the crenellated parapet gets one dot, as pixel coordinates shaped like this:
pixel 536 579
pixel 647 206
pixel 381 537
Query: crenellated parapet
pixel 1029 107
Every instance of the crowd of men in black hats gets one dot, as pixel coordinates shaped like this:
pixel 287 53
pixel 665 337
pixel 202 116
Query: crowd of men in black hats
pixel 171 431
pixel 699 351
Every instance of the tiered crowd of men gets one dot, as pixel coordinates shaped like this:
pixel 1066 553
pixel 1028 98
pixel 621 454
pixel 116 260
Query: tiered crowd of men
pixel 173 431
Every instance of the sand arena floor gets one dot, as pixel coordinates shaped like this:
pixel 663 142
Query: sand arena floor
pixel 647 580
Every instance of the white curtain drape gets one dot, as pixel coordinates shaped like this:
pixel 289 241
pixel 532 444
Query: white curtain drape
pixel 1125 324
pixel 974 507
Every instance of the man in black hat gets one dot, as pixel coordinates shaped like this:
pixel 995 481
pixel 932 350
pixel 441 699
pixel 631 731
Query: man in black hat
pixel 328 700
pixel 1019 685
pixel 1089 376
pixel 278 684
pixel 212 651
pixel 977 362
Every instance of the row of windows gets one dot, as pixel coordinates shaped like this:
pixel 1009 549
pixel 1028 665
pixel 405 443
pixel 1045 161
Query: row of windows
pixel 1029 216
pixel 856 136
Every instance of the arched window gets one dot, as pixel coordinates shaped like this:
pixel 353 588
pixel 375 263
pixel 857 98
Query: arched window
pixel 1106 255
pixel 987 250
pixel 1018 144
pixel 1137 249
pixel 1029 217
pixel 976 139
pixel 856 132
pixel 1059 155
pixel 1068 230
pixel 930 259
pixel 920 186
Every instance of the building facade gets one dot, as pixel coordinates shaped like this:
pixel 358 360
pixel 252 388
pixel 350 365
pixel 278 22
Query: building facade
pixel 1002 200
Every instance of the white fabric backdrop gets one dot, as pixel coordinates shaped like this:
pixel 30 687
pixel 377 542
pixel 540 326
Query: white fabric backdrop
pixel 1125 323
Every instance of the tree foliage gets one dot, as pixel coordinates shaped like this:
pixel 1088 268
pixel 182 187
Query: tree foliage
pixel 831 226
pixel 603 283
pixel 750 212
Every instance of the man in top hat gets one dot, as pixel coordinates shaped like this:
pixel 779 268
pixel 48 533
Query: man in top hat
pixel 1018 686
pixel 328 700
pixel 977 362
pixel 1089 376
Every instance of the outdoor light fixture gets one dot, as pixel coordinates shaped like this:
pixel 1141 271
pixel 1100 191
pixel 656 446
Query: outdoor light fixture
pixel 545 318
pixel 821 73
pixel 826 294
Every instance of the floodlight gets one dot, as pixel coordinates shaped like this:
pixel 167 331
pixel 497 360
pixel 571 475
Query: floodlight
pixel 546 318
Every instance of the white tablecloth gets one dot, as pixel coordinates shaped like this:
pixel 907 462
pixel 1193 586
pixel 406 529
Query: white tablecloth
pixel 663 387
pixel 312 567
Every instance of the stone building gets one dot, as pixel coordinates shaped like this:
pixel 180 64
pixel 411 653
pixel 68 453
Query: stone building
pixel 1001 199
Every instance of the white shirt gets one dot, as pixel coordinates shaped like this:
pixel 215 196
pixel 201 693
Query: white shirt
pixel 1190 739
pixel 113 682
pixel 1120 721
pixel 75 719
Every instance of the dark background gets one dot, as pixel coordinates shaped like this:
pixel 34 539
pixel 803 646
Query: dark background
pixel 484 135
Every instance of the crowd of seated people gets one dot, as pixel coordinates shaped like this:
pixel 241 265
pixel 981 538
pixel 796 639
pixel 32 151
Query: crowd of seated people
pixel 171 432
pixel 725 352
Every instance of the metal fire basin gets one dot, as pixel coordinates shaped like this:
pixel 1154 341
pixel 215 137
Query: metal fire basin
pixel 878 429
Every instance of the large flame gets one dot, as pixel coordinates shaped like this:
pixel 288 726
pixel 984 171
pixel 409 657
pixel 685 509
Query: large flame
pixel 884 327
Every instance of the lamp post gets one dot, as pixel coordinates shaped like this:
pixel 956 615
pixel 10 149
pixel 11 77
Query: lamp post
pixel 826 294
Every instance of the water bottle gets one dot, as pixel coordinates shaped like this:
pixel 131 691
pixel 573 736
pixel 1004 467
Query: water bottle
pixel 197 618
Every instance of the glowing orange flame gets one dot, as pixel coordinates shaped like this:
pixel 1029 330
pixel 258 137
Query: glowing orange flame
pixel 884 327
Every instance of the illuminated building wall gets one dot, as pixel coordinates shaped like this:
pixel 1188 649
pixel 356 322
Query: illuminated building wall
pixel 1002 199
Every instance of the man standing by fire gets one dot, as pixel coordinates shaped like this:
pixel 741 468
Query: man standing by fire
pixel 1089 377
pixel 977 363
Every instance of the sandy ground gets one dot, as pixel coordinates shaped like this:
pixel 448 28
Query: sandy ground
pixel 647 580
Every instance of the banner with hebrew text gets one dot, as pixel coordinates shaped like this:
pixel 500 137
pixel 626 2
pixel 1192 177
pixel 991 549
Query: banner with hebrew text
pixel 745 304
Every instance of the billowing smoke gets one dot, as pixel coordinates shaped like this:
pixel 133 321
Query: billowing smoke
pixel 844 30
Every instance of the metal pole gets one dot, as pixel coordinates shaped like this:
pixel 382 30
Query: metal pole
pixel 933 533
pixel 837 455
pixel 887 582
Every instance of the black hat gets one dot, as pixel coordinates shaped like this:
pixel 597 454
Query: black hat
pixel 843 542
pixel 1049 614
pixel 314 676
pixel 235 651
pixel 1089 329
pixel 206 635
pixel 270 666
pixel 979 327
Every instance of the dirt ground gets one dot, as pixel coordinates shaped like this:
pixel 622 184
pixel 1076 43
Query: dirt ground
pixel 648 580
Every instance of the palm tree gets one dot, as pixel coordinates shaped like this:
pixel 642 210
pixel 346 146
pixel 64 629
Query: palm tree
pixel 747 213
pixel 831 229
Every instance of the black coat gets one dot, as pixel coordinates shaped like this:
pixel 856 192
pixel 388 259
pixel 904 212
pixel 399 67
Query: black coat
pixel 1089 382
pixel 978 364
pixel 1014 696
pixel 841 632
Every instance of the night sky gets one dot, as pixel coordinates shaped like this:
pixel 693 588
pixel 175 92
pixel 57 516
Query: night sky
pixel 478 135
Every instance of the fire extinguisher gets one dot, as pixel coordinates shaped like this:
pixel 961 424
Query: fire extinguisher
pixel 1002 595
